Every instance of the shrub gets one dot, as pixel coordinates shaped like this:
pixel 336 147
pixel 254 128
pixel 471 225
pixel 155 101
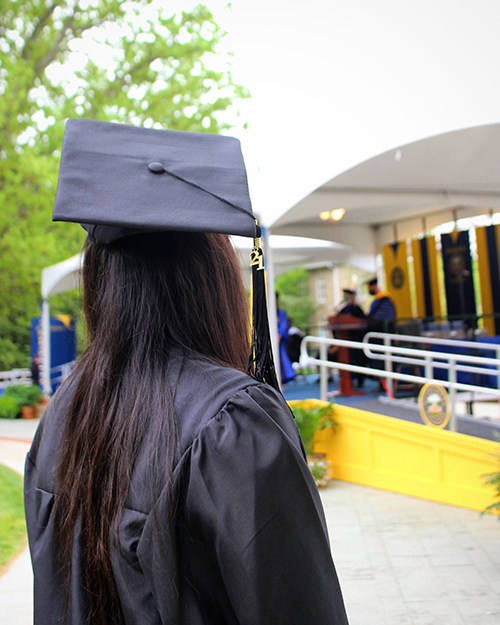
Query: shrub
pixel 24 395
pixel 9 407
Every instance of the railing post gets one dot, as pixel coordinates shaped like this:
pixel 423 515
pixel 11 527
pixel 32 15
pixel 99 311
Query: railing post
pixel 497 352
pixel 452 378
pixel 388 366
pixel 46 356
pixel 428 368
pixel 323 372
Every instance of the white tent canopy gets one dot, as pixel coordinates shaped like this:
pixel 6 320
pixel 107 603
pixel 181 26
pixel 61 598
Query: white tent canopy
pixel 61 277
pixel 290 252
pixel 404 191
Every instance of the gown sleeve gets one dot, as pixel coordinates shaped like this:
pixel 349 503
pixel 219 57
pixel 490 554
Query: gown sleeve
pixel 260 551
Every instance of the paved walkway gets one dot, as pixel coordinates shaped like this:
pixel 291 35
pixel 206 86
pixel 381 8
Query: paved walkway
pixel 407 561
pixel 400 560
pixel 16 584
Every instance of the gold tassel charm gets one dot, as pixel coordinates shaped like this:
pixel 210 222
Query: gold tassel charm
pixel 256 256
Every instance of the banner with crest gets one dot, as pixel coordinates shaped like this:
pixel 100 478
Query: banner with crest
pixel 458 280
pixel 396 277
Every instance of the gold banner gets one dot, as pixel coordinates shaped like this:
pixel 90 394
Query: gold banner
pixel 396 276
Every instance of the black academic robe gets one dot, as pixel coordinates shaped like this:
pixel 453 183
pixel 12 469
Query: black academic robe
pixel 239 538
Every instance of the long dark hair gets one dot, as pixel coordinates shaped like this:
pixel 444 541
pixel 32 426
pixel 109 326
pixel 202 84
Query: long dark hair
pixel 142 295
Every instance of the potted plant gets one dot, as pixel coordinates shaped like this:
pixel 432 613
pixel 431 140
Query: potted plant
pixel 312 417
pixel 32 396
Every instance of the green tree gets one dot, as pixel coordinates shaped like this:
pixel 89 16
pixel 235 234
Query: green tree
pixel 293 291
pixel 101 59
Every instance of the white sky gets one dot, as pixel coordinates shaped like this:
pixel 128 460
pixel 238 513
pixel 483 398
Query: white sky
pixel 334 82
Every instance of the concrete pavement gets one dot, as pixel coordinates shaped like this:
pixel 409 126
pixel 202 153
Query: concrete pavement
pixel 408 561
pixel 400 560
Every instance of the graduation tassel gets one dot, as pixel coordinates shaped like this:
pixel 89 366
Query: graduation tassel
pixel 261 363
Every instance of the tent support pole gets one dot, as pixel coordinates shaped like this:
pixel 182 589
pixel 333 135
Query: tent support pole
pixel 46 360
pixel 271 303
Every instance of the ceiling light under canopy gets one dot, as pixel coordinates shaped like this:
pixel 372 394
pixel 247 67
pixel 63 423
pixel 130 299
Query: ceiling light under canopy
pixel 338 213
pixel 334 215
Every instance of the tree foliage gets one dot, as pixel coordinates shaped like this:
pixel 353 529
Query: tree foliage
pixel 293 292
pixel 101 59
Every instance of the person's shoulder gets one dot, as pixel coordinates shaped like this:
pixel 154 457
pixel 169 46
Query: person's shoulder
pixel 201 388
pixel 202 379
pixel 258 417
pixel 384 295
pixel 209 394
pixel 387 304
pixel 261 402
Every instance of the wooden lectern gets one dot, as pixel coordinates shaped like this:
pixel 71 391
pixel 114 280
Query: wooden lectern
pixel 341 325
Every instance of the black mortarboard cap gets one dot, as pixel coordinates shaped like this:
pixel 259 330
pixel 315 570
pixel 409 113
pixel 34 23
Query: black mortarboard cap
pixel 372 282
pixel 131 179
pixel 118 180
pixel 349 291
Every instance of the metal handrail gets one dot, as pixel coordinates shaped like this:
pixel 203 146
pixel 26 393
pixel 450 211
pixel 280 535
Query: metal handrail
pixel 457 343
pixel 408 338
pixel 428 360
pixel 395 349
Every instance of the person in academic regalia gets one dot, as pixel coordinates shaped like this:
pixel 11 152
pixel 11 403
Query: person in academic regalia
pixel 382 313
pixel 166 485
pixel 381 318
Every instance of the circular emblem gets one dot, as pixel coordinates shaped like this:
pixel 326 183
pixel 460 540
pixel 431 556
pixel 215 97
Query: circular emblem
pixel 434 405
pixel 397 278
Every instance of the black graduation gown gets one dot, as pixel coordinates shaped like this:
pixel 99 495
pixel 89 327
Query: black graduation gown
pixel 248 542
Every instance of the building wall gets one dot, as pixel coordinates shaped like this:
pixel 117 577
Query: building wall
pixel 320 283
